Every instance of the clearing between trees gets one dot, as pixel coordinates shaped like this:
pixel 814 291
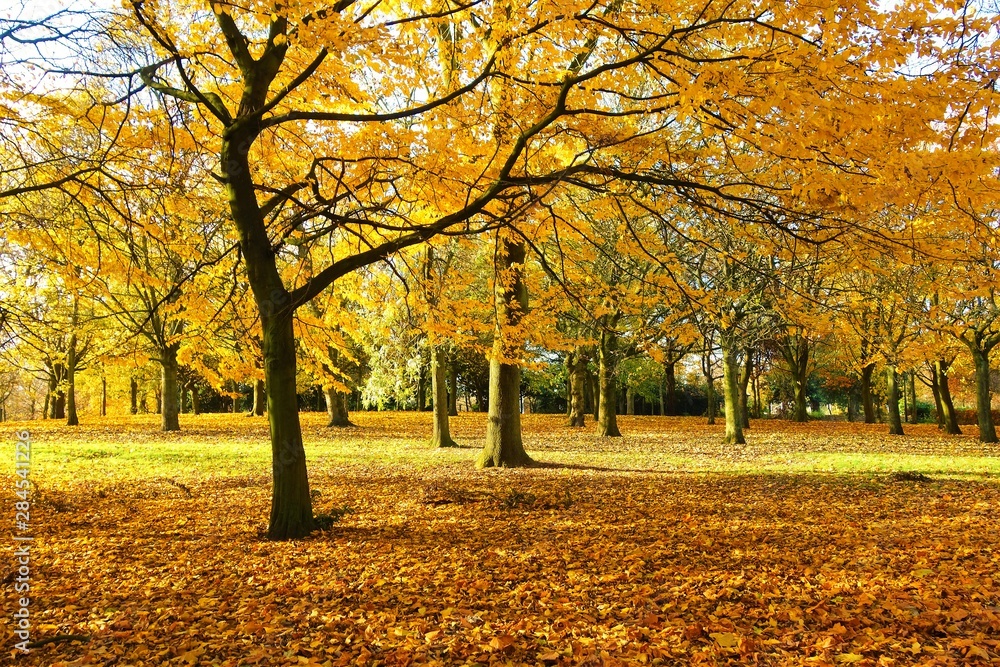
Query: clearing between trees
pixel 823 543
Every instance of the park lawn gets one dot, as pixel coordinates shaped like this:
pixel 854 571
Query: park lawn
pixel 663 547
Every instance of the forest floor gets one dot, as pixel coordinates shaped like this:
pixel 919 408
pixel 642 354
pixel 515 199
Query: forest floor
pixel 805 547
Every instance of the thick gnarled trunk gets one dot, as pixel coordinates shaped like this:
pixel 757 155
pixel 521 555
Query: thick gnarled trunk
pixel 607 420
pixel 336 408
pixel 795 350
pixel 576 366
pixel 984 416
pixel 867 399
pixel 949 418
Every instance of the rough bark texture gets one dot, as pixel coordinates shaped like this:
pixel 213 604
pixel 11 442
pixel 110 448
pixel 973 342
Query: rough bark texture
pixel 168 404
pixel 441 433
pixel 911 392
pixel 576 366
pixel 291 504
pixel 503 446
pixel 731 388
pixel 984 416
pixel 947 406
pixel 867 400
pixel 892 404
pixel 607 419
pixel 336 408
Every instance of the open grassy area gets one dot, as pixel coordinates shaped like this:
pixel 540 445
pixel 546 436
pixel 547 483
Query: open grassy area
pixel 662 547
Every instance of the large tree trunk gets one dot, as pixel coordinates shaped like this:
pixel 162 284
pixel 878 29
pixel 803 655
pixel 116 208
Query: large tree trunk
pixel 731 388
pixel 984 416
pixel 576 366
pixel 947 406
pixel 441 433
pixel 336 408
pixel 291 504
pixel 71 416
pixel 169 407
pixel 607 419
pixel 503 446
pixel 892 404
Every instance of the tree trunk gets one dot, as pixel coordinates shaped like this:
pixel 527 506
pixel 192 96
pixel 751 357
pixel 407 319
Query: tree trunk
pixel 984 416
pixel 452 384
pixel 441 433
pixel 867 400
pixel 195 400
pixel 71 417
pixel 795 350
pixel 936 391
pixel 259 399
pixel 730 390
pixel 911 391
pixel 607 419
pixel 595 395
pixel 104 396
pixel 744 381
pixel 45 408
pixel 503 446
pixel 336 408
pixel 670 378
pixel 895 423
pixel 169 408
pixel 576 365
pixel 947 406
pixel 158 397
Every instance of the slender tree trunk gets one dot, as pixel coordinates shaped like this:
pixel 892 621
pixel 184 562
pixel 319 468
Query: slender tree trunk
pixel 607 420
pixel 911 391
pixel 576 365
pixel 867 399
pixel 71 417
pixel 169 408
pixel 947 406
pixel 452 384
pixel 670 378
pixel 45 408
pixel 503 446
pixel 730 390
pixel 195 400
pixel 936 391
pixel 984 416
pixel 744 380
pixel 895 423
pixel 133 396
pixel 441 433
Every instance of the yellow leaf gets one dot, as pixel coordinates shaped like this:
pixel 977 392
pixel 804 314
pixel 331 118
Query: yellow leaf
pixel 849 657
pixel 725 639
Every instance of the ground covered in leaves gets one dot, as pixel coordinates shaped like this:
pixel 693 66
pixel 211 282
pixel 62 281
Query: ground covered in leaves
pixel 806 547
